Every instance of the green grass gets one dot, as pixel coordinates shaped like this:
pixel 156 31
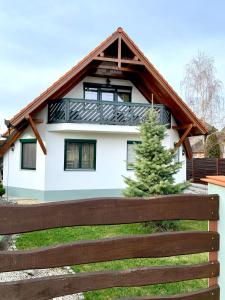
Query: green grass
pixel 55 236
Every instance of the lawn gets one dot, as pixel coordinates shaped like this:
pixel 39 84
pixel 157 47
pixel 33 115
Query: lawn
pixel 55 236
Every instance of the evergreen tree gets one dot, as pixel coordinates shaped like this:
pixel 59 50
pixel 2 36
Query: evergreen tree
pixel 155 165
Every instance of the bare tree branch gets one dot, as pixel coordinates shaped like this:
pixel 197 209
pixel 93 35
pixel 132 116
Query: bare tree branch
pixel 203 91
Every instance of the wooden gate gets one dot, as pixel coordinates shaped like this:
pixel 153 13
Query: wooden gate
pixel 26 218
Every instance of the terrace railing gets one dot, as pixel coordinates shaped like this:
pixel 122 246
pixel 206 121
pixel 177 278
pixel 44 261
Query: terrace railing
pixel 107 211
pixel 70 110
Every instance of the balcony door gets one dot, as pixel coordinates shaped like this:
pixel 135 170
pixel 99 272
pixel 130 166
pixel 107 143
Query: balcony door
pixel 107 92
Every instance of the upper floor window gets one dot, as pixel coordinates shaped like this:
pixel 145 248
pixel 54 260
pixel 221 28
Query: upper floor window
pixel 28 154
pixel 107 92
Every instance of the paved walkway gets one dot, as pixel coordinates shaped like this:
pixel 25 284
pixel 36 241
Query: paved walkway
pixel 196 188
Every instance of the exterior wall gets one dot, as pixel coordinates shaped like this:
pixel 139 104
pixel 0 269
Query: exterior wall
pixel 78 92
pixel 25 183
pixel 50 182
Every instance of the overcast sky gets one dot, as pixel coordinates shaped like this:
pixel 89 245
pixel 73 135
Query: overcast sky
pixel 40 40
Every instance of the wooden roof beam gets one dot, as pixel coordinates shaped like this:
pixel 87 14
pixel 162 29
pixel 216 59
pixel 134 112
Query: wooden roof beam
pixel 116 68
pixel 11 140
pixel 122 61
pixel 119 51
pixel 183 126
pixel 37 134
pixel 183 137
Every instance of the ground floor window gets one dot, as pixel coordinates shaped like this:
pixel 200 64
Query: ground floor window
pixel 80 154
pixel 131 155
pixel 28 154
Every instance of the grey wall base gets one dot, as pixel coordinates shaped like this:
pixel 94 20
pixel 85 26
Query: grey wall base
pixel 62 194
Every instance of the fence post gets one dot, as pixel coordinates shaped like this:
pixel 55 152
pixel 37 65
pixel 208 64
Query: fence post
pixel 216 185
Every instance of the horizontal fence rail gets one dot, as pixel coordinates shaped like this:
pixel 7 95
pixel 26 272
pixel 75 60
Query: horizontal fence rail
pixel 137 246
pixel 69 110
pixel 51 287
pixel 106 211
pixel 206 294
pixel 198 168
pixel 103 211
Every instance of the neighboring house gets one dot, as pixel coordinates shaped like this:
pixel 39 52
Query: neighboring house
pixel 198 146
pixel 198 142
pixel 74 140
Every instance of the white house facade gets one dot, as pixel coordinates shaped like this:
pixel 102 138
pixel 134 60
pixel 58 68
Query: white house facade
pixel 76 139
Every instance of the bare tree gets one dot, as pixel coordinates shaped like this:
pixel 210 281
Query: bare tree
pixel 203 91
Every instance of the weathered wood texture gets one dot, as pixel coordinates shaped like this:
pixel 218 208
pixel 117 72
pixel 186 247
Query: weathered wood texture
pixel 137 246
pixel 55 286
pixel 24 218
pixel 212 293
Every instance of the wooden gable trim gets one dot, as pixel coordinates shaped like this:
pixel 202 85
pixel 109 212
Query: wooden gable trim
pixel 188 149
pixel 164 84
pixel 183 137
pixel 119 61
pixel 37 134
pixel 119 51
pixel 139 59
pixel 182 127
pixel 54 88
pixel 11 140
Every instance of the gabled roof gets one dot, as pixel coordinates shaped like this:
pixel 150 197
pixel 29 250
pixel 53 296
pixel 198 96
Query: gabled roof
pixel 148 75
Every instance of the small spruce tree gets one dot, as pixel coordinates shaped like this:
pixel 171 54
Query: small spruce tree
pixel 154 166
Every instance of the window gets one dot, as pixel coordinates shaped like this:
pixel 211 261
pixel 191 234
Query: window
pixel 107 92
pixel 177 156
pixel 28 154
pixel 80 154
pixel 131 155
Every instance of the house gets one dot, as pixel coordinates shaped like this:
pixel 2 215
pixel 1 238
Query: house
pixel 198 146
pixel 74 140
pixel 198 143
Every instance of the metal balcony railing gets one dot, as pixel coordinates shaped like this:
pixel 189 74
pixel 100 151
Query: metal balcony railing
pixel 69 110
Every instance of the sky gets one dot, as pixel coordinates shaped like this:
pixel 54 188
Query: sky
pixel 41 40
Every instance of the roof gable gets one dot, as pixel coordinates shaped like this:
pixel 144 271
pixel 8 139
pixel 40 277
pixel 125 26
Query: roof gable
pixel 148 80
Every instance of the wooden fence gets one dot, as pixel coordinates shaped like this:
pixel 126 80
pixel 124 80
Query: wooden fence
pixel 108 211
pixel 198 168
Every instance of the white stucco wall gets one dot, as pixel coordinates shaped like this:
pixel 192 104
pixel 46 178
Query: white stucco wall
pixel 78 92
pixel 111 153
pixel 14 176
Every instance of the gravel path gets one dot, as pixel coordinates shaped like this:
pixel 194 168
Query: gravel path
pixel 21 275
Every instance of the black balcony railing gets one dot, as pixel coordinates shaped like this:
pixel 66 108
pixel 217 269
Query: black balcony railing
pixel 70 110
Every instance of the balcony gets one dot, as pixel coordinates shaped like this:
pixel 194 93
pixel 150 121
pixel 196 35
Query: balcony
pixel 69 110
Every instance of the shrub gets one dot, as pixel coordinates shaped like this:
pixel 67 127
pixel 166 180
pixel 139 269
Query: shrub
pixel 2 190
pixel 212 148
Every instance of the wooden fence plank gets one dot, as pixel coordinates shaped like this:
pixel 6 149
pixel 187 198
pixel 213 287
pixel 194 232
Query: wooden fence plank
pixel 137 246
pixel 212 293
pixel 56 286
pixel 24 218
